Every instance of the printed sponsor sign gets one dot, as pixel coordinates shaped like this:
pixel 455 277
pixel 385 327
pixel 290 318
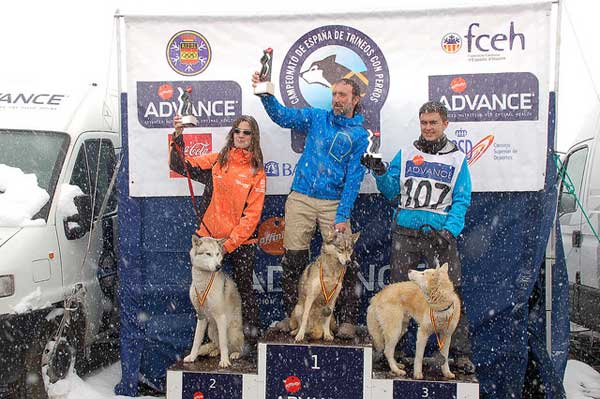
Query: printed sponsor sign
pixel 491 68
pixel 505 97
pixel 215 103
pixel 195 145
pixel 270 235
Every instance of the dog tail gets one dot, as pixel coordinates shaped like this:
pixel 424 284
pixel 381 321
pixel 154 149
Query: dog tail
pixel 375 329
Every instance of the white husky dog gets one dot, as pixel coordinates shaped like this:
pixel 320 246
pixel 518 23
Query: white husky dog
pixel 217 302
pixel 429 298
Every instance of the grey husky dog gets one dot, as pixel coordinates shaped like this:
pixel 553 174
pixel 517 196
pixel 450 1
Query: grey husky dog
pixel 217 302
pixel 320 286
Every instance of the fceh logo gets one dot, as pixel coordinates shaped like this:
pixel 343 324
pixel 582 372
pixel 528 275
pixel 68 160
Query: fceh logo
pixel 325 55
pixel 506 96
pixel 483 45
pixel 216 103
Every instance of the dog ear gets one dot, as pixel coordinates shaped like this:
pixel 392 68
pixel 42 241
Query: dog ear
pixel 195 239
pixel 221 241
pixel 331 236
pixel 355 237
pixel 444 267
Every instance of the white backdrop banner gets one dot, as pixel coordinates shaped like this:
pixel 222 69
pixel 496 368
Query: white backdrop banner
pixel 490 66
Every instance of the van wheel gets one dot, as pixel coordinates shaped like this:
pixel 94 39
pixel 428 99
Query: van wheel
pixel 31 383
pixel 42 366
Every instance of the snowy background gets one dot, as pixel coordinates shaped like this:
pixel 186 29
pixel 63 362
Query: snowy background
pixel 74 43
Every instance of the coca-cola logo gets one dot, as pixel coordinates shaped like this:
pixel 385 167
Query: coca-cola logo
pixel 197 149
pixel 196 144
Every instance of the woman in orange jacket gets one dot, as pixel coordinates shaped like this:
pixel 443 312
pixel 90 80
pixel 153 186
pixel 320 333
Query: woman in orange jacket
pixel 234 195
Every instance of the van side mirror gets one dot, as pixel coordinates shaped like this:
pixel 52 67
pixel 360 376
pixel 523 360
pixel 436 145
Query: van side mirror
pixel 566 204
pixel 78 225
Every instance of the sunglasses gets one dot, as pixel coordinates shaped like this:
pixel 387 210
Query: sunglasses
pixel 246 132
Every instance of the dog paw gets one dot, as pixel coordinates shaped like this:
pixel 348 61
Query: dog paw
pixel 418 376
pixel 299 337
pixel 224 363
pixel 234 355
pixel 214 353
pixel 396 370
pixel 328 336
pixel 189 359
pixel 205 349
pixel 449 376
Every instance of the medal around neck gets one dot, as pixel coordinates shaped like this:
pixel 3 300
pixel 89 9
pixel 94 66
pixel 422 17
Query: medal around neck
pixel 374 143
pixel 265 86
pixel 187 117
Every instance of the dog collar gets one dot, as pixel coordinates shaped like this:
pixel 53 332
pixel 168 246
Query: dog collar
pixel 448 308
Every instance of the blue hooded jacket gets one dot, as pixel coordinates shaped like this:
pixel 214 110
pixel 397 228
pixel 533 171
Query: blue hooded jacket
pixel 329 167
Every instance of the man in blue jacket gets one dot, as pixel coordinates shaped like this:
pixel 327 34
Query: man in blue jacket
pixel 431 183
pixel 325 186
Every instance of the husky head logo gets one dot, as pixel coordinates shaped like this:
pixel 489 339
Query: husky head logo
pixel 327 71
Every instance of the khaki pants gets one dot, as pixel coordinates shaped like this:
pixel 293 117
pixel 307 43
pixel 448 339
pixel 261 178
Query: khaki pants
pixel 302 214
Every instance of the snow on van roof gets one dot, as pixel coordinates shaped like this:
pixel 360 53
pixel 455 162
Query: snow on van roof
pixel 57 109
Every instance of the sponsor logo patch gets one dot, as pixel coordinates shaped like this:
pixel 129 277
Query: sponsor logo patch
pixel 188 53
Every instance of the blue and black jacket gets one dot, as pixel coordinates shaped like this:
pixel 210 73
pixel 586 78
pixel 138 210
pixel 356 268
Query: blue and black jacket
pixel 329 167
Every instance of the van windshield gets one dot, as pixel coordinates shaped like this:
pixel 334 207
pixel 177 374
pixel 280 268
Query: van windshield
pixel 40 153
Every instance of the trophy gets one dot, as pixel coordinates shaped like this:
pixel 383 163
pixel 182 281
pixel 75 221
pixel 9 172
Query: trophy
pixel 187 117
pixel 374 142
pixel 265 86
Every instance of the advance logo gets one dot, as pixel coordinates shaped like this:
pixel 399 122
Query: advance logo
pixel 509 96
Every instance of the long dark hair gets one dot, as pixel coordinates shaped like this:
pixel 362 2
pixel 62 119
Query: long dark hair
pixel 257 156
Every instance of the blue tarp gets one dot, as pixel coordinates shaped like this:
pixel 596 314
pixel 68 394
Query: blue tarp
pixel 502 250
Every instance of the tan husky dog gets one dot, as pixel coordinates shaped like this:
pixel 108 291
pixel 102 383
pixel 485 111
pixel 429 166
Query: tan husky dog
pixel 217 302
pixel 429 298
pixel 320 286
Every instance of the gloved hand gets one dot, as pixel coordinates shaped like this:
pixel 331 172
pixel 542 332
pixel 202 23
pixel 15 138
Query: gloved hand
pixel 373 163
pixel 178 141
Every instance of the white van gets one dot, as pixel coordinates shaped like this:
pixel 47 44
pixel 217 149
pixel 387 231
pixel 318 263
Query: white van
pixel 58 275
pixel 582 249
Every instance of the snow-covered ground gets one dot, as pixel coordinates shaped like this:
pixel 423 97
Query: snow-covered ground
pixel 96 385
pixel 581 381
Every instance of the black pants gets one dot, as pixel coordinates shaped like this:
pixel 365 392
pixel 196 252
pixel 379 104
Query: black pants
pixel 242 266
pixel 409 248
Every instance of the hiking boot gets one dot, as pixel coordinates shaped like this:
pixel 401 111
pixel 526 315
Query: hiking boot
pixel 464 365
pixel 346 331
pixel 283 325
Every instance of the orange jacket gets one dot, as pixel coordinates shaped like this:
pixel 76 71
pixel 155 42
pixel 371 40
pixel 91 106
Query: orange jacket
pixel 237 199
